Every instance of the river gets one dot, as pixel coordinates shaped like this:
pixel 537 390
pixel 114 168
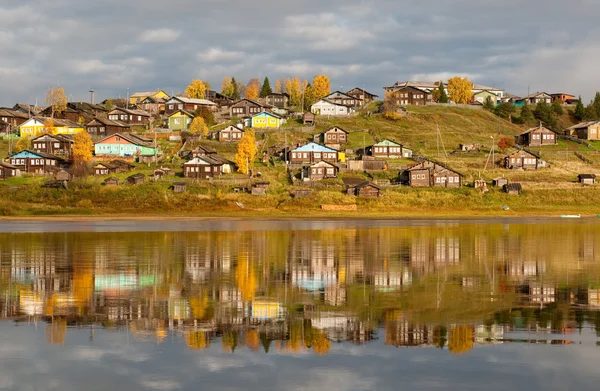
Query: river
pixel 300 305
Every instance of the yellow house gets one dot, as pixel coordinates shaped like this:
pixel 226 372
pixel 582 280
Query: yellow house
pixel 138 97
pixel 34 127
pixel 266 120
pixel 266 309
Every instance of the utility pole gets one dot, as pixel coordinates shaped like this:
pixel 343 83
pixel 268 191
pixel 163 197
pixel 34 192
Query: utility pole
pixel 127 101
pixel 92 95
pixel 493 146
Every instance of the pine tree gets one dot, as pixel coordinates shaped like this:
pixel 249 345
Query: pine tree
pixel 235 91
pixel 557 108
pixel 526 114
pixel 266 88
pixel 488 104
pixel 579 110
pixel 442 96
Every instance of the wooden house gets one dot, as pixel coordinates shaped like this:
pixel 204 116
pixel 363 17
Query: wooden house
pixel 246 108
pixel 562 98
pixel 433 174
pixel 153 105
pixel 222 101
pixel 13 118
pixel 279 100
pixel 482 96
pixel 102 127
pixel 179 120
pixel 265 119
pixel 76 112
pixel 340 98
pixel 112 167
pixel 32 162
pixel 586 179
pixel 203 167
pixel 537 137
pixel 138 97
pixel 499 182
pixel 330 108
pixel 37 125
pixel 129 116
pixel 320 170
pixel 135 179
pixel 308 119
pixel 409 96
pixel 333 137
pixel 111 181
pixel 190 105
pixel 125 145
pixel 523 159
pixel 179 187
pixel 8 171
pixel 585 130
pixel 362 97
pixel 364 189
pixel 312 153
pixel 513 188
pixel 59 144
pixel 535 98
pixel 230 133
pixel 388 148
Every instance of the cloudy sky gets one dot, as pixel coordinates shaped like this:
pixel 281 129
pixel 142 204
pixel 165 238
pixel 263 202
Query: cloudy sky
pixel 111 45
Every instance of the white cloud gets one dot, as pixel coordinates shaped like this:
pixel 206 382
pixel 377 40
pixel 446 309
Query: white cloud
pixel 160 384
pixel 220 55
pixel 159 35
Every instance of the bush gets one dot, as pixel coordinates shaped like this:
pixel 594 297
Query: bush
pixel 506 142
pixel 391 115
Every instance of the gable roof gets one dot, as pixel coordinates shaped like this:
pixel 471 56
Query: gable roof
pixel 266 113
pixel 537 128
pixel 193 101
pixel 108 122
pixel 130 137
pixel 367 183
pixel 387 143
pixel 313 147
pixel 204 159
pixel 7 165
pixel 524 150
pixel 181 111
pixel 251 101
pixel 334 128
pixel 583 125
pixel 360 89
pixel 60 137
pixel 130 111
pixel 336 94
pixel 4 112
pixel 143 94
pixel 39 154
pixel 535 94
pixel 435 163
pixel 323 163
pixel 331 103
pixel 231 128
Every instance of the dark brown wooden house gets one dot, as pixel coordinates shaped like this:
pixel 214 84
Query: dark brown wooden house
pixel 111 181
pixel 203 167
pixel 312 153
pixel 190 105
pixel 320 170
pixel 112 167
pixel 32 162
pixel 432 174
pixel 308 119
pixel 135 179
pixel 59 144
pixel 102 127
pixel 408 96
pixel 221 100
pixel 129 116
pixel 247 108
pixel 76 111
pixel 364 189
pixel 362 96
pixel 13 118
pixel 230 133
pixel 8 171
pixel 280 100
pixel 537 137
pixel 333 137
pixel 523 160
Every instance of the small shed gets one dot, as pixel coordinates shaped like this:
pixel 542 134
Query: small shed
pixel 364 189
pixel 179 187
pixel 513 188
pixel 586 179
pixel 63 175
pixel 260 188
pixel 308 119
pixel 469 147
pixel 499 182
pixel 302 193
pixel 111 181
pixel 135 179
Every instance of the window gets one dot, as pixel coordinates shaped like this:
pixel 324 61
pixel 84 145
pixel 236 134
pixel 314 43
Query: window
pixel 305 155
pixel 139 117
pixel 171 107
pixel 451 179
pixel 56 145
pixel 437 180
pixel 317 155
pixel 207 169
pixel 177 121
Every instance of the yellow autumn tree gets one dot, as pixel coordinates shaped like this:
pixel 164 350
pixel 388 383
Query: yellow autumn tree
pixel 198 305
pixel 227 87
pixel 460 90
pixel 196 89
pixel 321 86
pixel 252 90
pixel 22 144
pixel 197 340
pixel 49 127
pixel 245 277
pixel 461 339
pixel 279 86
pixel 57 100
pixel 82 150
pixel 198 126
pixel 294 90
pixel 229 341
pixel 253 340
pixel 246 152
pixel 320 344
pixel 83 287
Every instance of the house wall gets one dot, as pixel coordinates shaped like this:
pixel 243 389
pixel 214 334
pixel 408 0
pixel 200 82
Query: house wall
pixel 326 108
pixel 265 121
pixel 179 121
pixel 226 135
pixel 419 178
pixel 368 191
pixel 313 157
pixel 51 146
pixel 244 108
pixel 335 136
pixel 524 160
pixel 33 164
pixel 410 96
pixel 318 173
pixel 201 171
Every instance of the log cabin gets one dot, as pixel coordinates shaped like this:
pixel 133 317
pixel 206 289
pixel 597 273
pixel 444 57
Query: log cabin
pixel 320 170
pixel 311 153
pixel 433 174
pixel 102 127
pixel 523 160
pixel 32 162
pixel 8 171
pixel 58 144
pixel 537 137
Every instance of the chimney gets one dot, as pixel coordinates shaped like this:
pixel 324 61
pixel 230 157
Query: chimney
pixel 92 95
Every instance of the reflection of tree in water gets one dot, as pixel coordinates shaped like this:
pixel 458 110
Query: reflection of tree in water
pixel 56 330
pixel 197 340
pixel 461 339
pixel 253 340
pixel 229 341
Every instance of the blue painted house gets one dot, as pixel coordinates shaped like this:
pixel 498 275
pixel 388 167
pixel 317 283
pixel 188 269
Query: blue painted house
pixel 312 153
pixel 125 145
pixel 31 162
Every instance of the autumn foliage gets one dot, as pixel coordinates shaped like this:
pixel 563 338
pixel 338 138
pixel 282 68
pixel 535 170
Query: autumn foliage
pixel 57 100
pixel 198 126
pixel 506 142
pixel 244 159
pixel 252 90
pixel 82 150
pixel 461 339
pixel 321 86
pixel 49 126
pixel 196 90
pixel 460 90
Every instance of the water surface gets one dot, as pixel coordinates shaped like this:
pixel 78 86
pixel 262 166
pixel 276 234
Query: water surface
pixel 271 305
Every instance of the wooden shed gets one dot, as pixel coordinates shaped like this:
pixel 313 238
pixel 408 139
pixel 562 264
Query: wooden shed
pixel 111 181
pixel 365 189
pixel 63 175
pixel 135 179
pixel 586 179
pixel 499 182
pixel 513 188
pixel 260 188
pixel 308 119
pixel 179 187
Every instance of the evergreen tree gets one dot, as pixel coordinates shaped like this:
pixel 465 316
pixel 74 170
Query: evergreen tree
pixel 443 97
pixel 504 110
pixel 557 108
pixel 488 104
pixel 526 114
pixel 235 91
pixel 579 110
pixel 266 88
pixel 543 112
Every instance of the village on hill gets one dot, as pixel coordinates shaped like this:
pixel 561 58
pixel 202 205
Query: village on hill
pixel 299 139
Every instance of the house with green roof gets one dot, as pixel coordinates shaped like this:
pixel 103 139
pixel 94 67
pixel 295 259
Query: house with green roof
pixel 388 148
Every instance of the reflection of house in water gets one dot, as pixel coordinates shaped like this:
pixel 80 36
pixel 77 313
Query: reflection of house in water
pixel 493 334
pixel 522 270
pixel 201 261
pixel 402 333
pixel 314 268
pixel 335 325
pixel 388 280
pixel 542 293
pixel 229 308
pixel 38 269
pixel 335 295
pixel 429 254
pixel 266 310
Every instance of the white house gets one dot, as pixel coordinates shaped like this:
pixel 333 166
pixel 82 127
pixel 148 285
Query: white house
pixel 327 107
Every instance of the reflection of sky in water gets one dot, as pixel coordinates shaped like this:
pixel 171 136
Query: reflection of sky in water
pixel 116 361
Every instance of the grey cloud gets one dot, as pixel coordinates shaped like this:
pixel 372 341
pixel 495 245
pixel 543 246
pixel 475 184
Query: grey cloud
pixel 146 44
